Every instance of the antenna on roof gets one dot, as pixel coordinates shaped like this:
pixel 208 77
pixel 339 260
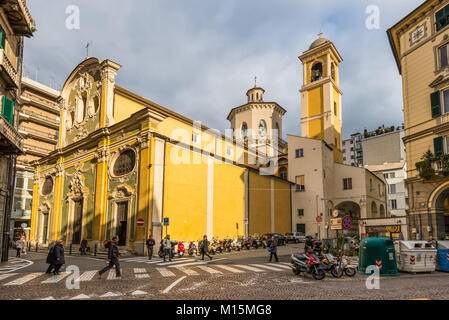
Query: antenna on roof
pixel 255 82
pixel 320 34
pixel 88 45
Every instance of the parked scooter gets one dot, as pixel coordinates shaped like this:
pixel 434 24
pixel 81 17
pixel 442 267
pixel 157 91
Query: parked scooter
pixel 237 244
pixel 309 263
pixel 181 249
pixel 192 249
pixel 254 242
pixel 330 264
pixel 221 246
pixel 228 245
pixel 345 266
pixel 211 248
pixel 247 244
pixel 172 248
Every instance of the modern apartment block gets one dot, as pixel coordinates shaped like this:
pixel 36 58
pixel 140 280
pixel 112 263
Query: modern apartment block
pixel 352 150
pixel 384 148
pixel 15 24
pixel 39 127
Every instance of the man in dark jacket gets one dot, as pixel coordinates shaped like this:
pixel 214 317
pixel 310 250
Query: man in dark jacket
pixel 205 248
pixel 113 255
pixel 58 256
pixel 50 260
pixel 273 249
pixel 150 245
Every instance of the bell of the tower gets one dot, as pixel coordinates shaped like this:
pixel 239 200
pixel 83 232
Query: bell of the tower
pixel 321 116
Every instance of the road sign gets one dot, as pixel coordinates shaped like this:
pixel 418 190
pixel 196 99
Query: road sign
pixel 335 213
pixel 346 222
pixel 245 221
pixel 166 222
pixel 140 222
pixel 319 219
pixel 24 225
pixel 336 224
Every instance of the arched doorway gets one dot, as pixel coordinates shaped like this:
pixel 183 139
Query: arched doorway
pixel 352 209
pixel 439 202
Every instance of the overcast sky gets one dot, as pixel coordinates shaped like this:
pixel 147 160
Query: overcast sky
pixel 199 57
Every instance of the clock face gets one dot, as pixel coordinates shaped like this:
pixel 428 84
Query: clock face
pixel 262 128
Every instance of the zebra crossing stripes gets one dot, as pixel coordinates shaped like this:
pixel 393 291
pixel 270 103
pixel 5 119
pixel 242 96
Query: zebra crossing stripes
pixel 209 270
pixel 228 268
pixel 141 273
pixel 188 271
pixel 24 279
pixel 267 267
pixel 56 278
pixel 7 275
pixel 112 274
pixel 165 272
pixel 87 276
pixel 254 269
pixel 281 266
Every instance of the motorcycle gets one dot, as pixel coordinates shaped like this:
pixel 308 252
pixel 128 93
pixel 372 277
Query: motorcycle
pixel 247 244
pixel 172 248
pixel 181 249
pixel 221 246
pixel 309 263
pixel 254 243
pixel 345 263
pixel 330 264
pixel 228 245
pixel 237 244
pixel 192 249
pixel 212 248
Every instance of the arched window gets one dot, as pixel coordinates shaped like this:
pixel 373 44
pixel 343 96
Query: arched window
pixel 333 71
pixel 244 130
pixel 278 130
pixel 283 173
pixel 257 96
pixel 125 163
pixel 317 71
pixel 382 211
pixel 373 209
pixel 47 187
pixel 262 128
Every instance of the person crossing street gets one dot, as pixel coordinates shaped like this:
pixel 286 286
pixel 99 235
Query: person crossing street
pixel 166 245
pixel 58 256
pixel 273 249
pixel 113 254
pixel 205 248
pixel 150 246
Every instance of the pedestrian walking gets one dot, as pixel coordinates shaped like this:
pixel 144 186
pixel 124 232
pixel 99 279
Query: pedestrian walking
pixel 83 247
pixel 205 248
pixel 19 247
pixel 113 255
pixel 273 249
pixel 150 246
pixel 51 259
pixel 59 258
pixel 166 245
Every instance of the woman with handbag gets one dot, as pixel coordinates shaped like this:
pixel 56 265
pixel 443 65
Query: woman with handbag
pixel 272 249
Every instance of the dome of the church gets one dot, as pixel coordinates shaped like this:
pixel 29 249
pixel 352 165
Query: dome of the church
pixel 318 42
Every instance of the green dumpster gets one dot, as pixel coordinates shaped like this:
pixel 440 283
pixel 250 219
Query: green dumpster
pixel 378 252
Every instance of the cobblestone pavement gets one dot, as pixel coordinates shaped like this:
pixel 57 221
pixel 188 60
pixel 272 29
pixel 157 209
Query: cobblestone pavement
pixel 244 275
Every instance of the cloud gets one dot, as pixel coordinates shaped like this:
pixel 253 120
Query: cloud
pixel 199 57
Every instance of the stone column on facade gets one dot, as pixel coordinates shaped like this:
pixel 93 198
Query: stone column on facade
pixel 108 72
pixel 62 121
pixel 101 193
pixel 158 190
pixel 34 209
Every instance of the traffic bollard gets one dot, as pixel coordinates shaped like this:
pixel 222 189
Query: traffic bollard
pixel 95 250
pixel 70 250
pixel 37 245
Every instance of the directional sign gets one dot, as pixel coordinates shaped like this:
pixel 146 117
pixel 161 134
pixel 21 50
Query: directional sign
pixel 336 224
pixel 346 222
pixel 166 222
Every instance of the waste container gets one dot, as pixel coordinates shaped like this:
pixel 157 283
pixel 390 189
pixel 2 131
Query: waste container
pixel 378 252
pixel 415 256
pixel 443 255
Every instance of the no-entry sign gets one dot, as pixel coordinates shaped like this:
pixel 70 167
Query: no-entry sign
pixel 140 222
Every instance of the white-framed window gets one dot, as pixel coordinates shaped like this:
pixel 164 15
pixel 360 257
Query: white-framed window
pixel 300 183
pixel 392 175
pixel 347 184
pixel 392 188
pixel 393 204
pixel 445 97
pixel 299 153
pixel 443 55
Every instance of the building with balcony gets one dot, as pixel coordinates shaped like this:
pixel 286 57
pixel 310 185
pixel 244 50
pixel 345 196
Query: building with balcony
pixel 419 42
pixel 39 127
pixel 353 151
pixel 15 24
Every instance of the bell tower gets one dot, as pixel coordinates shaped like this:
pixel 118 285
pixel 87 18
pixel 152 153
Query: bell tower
pixel 321 95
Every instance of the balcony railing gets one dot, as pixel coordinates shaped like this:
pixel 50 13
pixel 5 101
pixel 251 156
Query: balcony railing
pixel 7 67
pixel 19 17
pixel 41 117
pixel 11 134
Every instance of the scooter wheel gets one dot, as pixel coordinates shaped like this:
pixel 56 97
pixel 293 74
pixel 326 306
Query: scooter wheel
pixel 350 272
pixel 336 272
pixel 318 274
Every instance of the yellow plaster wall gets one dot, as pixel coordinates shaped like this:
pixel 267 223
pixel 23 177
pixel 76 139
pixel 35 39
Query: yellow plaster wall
pixel 282 207
pixel 259 204
pixel 143 198
pixel 316 129
pixel 34 212
pixel 185 197
pixel 229 200
pixel 124 107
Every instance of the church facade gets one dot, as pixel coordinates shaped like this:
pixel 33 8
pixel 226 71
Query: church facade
pixel 124 165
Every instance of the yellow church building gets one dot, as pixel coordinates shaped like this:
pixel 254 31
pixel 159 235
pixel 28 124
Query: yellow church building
pixel 124 164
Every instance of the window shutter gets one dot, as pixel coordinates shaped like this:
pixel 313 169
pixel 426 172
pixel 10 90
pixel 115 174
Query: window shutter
pixel 2 37
pixel 438 146
pixel 435 104
pixel 8 109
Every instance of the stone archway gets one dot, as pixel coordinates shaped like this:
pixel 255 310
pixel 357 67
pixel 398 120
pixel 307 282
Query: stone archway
pixel 439 205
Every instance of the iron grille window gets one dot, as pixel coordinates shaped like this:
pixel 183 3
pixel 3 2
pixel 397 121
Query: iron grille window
pixel 47 188
pixel 125 163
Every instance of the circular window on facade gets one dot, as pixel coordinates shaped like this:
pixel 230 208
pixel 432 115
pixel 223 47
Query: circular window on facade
pixel 125 163
pixel 47 187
